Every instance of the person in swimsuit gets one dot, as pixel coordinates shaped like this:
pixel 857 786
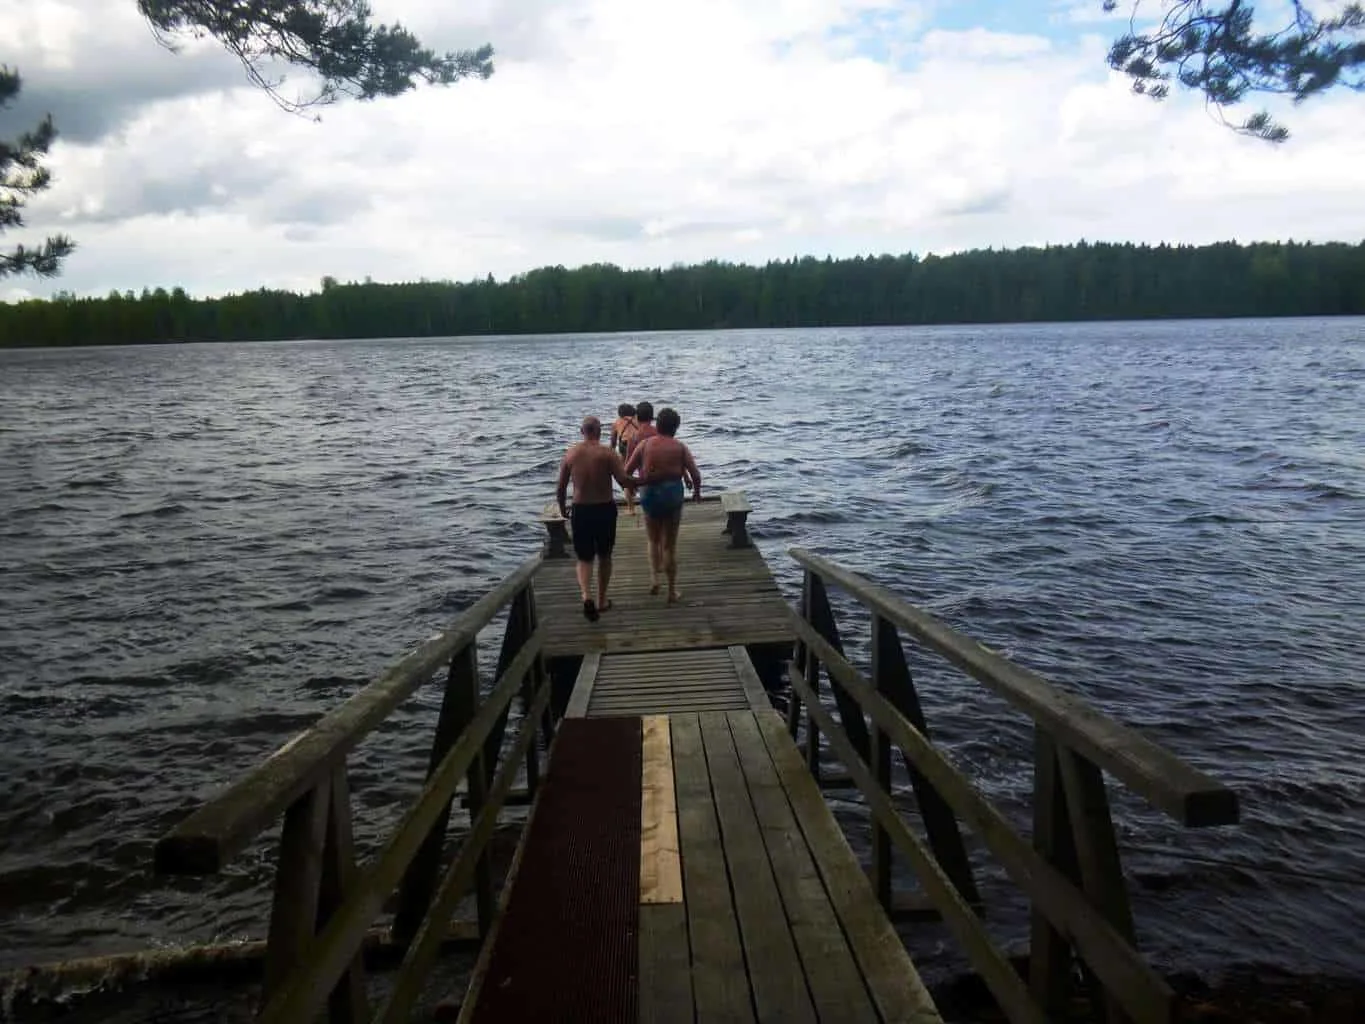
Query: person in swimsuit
pixel 622 433
pixel 592 466
pixel 665 463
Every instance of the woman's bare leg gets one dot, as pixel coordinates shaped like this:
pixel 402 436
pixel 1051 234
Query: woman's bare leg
pixel 671 526
pixel 654 538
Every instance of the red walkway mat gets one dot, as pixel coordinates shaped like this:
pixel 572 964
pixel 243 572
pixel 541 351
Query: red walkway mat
pixel 567 947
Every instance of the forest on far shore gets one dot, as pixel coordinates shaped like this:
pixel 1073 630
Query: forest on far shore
pixel 1085 281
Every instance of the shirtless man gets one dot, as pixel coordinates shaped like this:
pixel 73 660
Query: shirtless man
pixel 592 466
pixel 665 463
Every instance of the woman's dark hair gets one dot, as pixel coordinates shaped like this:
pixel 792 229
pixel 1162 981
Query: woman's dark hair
pixel 644 411
pixel 668 422
pixel 625 409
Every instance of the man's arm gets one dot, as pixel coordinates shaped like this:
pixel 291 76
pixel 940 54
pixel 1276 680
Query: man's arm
pixel 623 477
pixel 562 488
pixel 690 469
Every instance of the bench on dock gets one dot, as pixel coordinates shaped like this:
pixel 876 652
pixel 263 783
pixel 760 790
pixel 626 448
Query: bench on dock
pixel 734 504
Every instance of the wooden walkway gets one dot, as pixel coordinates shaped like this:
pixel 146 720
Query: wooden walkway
pixel 752 906
pixel 729 596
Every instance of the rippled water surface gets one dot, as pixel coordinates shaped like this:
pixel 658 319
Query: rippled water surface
pixel 202 547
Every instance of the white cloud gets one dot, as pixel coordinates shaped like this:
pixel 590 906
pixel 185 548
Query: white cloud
pixel 649 133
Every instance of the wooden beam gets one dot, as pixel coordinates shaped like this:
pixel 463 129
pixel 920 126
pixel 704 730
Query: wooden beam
pixel 582 687
pixel 754 689
pixel 330 954
pixel 993 966
pixel 1164 780
pixel 211 836
pixel 421 955
pixel 1144 993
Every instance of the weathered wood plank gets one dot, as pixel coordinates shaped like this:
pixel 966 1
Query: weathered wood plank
pixel 775 974
pixel 583 686
pixel 660 864
pixel 206 840
pixel 665 965
pixel 891 978
pixel 836 986
pixel 748 678
pixel 1164 780
pixel 348 1003
pixel 719 983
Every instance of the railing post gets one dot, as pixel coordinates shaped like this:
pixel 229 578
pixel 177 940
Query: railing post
pixel 298 880
pixel 881 770
pixel 348 1003
pixel 811 670
pixel 1097 855
pixel 1049 952
pixel 891 676
pixel 457 708
pixel 850 712
pixel 534 680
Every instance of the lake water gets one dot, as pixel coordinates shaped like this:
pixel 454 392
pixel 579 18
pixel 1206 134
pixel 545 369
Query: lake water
pixel 203 547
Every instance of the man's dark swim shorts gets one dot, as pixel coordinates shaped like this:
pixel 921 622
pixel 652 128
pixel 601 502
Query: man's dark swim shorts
pixel 594 530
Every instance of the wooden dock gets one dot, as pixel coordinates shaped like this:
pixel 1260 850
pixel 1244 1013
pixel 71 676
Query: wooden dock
pixel 679 862
pixel 729 596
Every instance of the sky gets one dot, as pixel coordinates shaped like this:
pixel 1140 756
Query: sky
pixel 645 133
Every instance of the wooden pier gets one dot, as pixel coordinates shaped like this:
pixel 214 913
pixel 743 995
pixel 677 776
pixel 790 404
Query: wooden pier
pixel 679 862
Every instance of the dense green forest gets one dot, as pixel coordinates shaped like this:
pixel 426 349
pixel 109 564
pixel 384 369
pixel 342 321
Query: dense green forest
pixel 1074 282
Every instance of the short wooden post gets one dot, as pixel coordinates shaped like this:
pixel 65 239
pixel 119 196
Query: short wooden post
pixel 513 638
pixel 298 880
pixel 483 868
pixel 457 708
pixel 851 715
pixel 1049 953
pixel 1097 855
pixel 881 770
pixel 535 679
pixel 348 1003
pixel 811 670
pixel 556 533
pixel 891 676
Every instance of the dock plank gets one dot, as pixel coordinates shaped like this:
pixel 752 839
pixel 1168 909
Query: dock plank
pixel 891 977
pixel 775 974
pixel 719 983
pixel 836 984
pixel 665 965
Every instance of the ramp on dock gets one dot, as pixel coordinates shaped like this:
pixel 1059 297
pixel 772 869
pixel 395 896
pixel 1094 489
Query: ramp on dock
pixel 746 902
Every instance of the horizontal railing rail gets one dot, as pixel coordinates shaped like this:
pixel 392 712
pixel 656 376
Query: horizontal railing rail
pixel 1070 870
pixel 324 904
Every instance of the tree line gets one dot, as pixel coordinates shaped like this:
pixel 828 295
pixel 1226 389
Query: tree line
pixel 1073 282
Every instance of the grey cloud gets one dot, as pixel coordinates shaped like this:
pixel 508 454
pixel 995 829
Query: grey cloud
pixel 995 200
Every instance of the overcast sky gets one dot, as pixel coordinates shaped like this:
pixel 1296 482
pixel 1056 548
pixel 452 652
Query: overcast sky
pixel 644 133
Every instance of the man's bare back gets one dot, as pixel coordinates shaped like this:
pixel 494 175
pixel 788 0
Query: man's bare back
pixel 591 466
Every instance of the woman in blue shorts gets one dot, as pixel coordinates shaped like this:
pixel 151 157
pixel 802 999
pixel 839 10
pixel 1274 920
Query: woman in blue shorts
pixel 665 465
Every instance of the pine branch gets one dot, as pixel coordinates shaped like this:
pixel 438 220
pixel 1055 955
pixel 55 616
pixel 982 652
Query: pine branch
pixel 1217 50
pixel 334 39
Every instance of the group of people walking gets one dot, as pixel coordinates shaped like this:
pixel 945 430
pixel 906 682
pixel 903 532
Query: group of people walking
pixel 643 455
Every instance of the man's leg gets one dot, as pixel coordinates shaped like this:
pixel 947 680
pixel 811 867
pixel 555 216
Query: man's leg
pixel 603 578
pixel 584 579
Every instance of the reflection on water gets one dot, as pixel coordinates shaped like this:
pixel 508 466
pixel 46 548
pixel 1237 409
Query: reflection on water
pixel 204 546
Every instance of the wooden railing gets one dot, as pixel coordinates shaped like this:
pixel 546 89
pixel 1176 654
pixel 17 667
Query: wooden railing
pixel 1070 871
pixel 324 903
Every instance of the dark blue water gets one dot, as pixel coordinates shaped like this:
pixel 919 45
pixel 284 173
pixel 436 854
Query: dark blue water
pixel 202 547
